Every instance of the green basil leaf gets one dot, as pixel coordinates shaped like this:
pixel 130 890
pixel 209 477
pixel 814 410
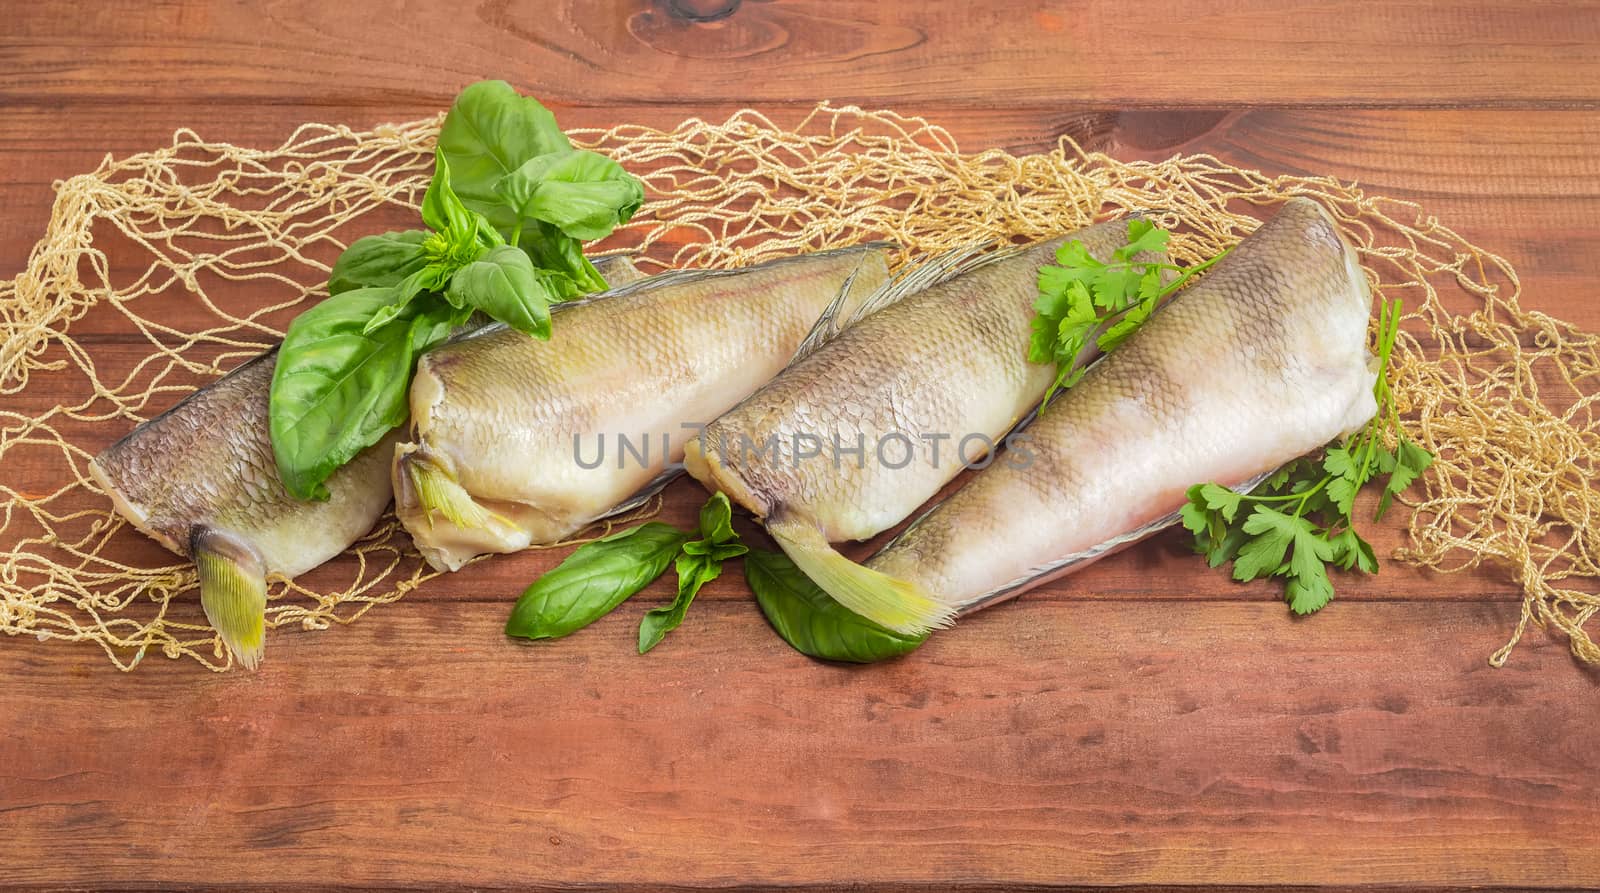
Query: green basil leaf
pixel 431 278
pixel 584 194
pixel 433 326
pixel 811 621
pixel 593 581
pixel 442 210
pixel 338 389
pixel 693 572
pixel 504 284
pixel 553 250
pixel 492 130
pixel 375 261
pixel 716 519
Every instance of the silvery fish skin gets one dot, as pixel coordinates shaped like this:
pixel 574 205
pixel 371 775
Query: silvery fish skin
pixel 936 368
pixel 504 424
pixel 1261 361
pixel 201 480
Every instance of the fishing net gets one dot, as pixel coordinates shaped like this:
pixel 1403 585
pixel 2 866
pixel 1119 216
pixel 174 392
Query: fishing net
pixel 163 270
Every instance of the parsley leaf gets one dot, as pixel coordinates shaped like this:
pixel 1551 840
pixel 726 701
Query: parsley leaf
pixel 1084 300
pixel 1300 518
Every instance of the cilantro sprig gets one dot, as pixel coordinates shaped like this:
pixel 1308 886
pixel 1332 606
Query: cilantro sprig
pixel 1300 520
pixel 1084 299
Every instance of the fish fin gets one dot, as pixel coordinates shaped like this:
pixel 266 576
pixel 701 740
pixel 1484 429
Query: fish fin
pixel 436 491
pixel 899 605
pixel 828 324
pixel 618 269
pixel 643 494
pixel 233 591
pixel 941 268
pixel 938 269
pixel 833 319
pixel 449 525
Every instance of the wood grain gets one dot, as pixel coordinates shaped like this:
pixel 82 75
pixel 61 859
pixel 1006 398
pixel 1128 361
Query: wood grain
pixel 1530 193
pixel 1109 744
pixel 1418 53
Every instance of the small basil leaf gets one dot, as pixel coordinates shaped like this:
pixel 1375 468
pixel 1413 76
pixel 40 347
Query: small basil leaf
pixel 432 328
pixel 593 581
pixel 716 519
pixel 552 250
pixel 693 572
pixel 490 131
pixel 700 563
pixel 504 284
pixel 378 261
pixel 430 278
pixel 583 194
pixel 441 209
pixel 338 389
pixel 811 621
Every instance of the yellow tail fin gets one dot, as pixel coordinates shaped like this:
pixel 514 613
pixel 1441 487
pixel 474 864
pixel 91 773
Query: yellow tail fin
pixel 438 492
pixel 233 591
pixel 899 605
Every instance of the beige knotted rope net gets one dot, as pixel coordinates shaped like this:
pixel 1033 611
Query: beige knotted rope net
pixel 162 270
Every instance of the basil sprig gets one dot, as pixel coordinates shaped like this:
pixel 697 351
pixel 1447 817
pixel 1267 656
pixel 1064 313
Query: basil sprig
pixel 594 580
pixel 811 621
pixel 514 166
pixel 509 202
pixel 599 576
pixel 699 564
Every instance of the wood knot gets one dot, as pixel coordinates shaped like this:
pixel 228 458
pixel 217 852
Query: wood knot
pixel 702 10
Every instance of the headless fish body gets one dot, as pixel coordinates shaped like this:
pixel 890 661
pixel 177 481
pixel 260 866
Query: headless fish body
pixel 914 390
pixel 1261 361
pixel 511 433
pixel 200 479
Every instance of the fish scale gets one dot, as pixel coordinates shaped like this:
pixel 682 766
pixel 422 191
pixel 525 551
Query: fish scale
pixel 937 367
pixel 500 419
pixel 1259 362
pixel 201 480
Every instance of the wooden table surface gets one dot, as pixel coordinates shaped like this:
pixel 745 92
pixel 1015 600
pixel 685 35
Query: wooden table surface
pixel 1144 723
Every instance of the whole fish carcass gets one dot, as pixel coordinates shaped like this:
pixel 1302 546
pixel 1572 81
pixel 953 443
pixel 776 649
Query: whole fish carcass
pixel 511 433
pixel 1261 361
pixel 854 437
pixel 200 479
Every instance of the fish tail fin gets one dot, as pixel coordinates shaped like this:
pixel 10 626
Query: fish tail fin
pixel 900 605
pixel 233 591
pixel 447 523
pixel 435 491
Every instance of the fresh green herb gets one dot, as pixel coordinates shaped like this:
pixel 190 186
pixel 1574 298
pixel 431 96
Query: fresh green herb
pixel 514 166
pixel 599 576
pixel 594 580
pixel 698 564
pixel 811 621
pixel 1085 300
pixel 381 261
pixel 339 388
pixel 1300 519
pixel 509 202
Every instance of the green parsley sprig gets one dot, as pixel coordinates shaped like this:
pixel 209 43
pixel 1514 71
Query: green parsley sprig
pixel 1086 299
pixel 1300 519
